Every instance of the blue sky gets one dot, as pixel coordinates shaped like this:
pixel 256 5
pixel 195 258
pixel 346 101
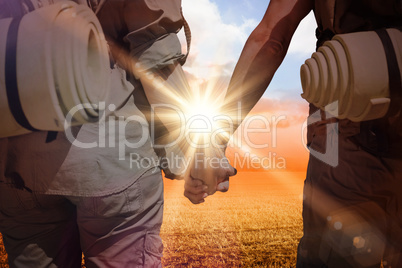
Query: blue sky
pixel 235 11
pixel 220 29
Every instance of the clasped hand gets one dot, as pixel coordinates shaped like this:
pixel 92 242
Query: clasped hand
pixel 209 172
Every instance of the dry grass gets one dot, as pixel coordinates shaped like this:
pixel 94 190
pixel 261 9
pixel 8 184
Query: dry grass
pixel 3 255
pixel 256 224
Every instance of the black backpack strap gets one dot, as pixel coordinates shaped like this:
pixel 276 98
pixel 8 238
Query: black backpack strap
pixel 380 136
pixel 17 11
pixel 11 82
pixel 394 74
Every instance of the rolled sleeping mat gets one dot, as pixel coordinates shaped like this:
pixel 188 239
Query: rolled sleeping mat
pixel 54 65
pixel 354 75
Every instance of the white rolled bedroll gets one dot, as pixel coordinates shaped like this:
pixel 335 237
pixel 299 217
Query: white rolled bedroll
pixel 351 76
pixel 53 61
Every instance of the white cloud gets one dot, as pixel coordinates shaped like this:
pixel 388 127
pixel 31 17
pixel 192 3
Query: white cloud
pixel 303 41
pixel 214 43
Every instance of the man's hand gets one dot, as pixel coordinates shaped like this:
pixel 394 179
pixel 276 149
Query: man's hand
pixel 195 190
pixel 209 172
pixel 213 169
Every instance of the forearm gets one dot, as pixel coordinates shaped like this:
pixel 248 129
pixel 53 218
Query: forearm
pixel 262 54
pixel 254 71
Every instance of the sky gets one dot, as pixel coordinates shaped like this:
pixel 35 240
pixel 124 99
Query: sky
pixel 220 29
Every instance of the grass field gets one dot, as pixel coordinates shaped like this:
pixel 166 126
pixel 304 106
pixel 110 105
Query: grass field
pixel 256 224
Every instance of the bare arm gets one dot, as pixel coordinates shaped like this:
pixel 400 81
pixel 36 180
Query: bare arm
pixel 262 54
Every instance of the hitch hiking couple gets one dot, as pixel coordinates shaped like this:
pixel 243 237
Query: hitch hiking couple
pixel 58 200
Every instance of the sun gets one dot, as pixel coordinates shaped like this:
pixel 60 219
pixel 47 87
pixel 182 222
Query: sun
pixel 201 115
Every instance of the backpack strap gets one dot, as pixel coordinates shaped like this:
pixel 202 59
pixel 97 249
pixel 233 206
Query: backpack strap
pixel 394 74
pixel 17 12
pixel 187 33
pixel 11 82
